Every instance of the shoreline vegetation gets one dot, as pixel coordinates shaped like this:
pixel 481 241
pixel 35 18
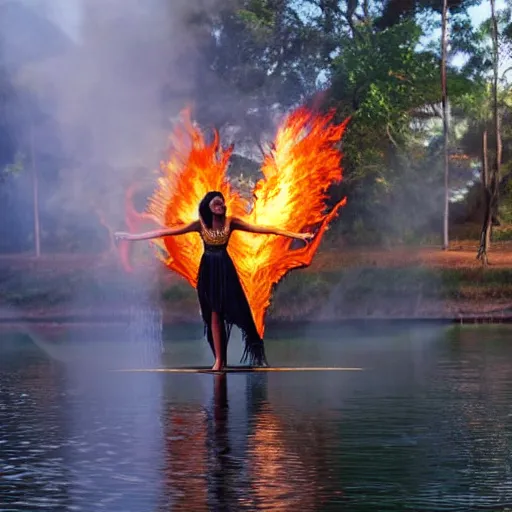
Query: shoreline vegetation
pixel 74 165
pixel 343 284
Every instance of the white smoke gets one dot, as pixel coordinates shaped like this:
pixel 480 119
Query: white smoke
pixel 126 68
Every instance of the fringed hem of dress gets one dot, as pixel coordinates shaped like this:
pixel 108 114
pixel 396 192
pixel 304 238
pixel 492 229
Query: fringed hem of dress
pixel 254 353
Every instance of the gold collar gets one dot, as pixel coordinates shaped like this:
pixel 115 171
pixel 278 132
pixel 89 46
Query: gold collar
pixel 215 236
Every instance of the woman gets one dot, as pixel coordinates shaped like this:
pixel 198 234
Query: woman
pixel 221 297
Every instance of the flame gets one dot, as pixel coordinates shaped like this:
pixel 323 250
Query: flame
pixel 303 163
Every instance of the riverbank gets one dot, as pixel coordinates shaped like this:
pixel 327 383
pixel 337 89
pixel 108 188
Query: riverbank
pixel 347 284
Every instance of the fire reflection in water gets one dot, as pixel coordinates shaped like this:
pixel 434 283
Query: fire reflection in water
pixel 235 453
pixel 185 462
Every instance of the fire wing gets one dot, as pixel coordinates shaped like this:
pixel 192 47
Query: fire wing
pixel 193 169
pixel 297 173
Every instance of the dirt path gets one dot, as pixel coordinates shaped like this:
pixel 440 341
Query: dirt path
pixel 460 255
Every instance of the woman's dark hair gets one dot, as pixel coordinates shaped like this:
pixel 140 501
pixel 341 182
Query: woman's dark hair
pixel 205 211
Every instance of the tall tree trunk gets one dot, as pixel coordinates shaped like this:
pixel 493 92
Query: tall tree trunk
pixel 492 182
pixel 495 108
pixel 444 92
pixel 485 234
pixel 35 194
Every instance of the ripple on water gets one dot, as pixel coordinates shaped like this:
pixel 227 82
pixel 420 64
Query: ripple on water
pixel 433 435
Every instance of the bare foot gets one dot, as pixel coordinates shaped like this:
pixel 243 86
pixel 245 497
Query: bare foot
pixel 218 366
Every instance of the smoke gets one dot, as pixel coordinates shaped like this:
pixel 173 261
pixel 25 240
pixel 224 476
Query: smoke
pixel 108 80
pixel 109 77
pixel 112 91
pixel 105 80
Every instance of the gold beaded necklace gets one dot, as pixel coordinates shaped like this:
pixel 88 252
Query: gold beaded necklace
pixel 215 236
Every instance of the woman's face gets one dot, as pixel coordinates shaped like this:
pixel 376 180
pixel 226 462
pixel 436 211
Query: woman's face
pixel 217 206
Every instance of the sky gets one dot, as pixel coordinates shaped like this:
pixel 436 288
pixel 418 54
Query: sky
pixel 483 11
pixel 67 13
pixel 64 13
pixel 479 14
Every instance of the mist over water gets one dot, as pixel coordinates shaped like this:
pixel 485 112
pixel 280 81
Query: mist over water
pixel 425 425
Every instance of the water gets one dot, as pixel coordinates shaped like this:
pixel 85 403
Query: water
pixel 427 424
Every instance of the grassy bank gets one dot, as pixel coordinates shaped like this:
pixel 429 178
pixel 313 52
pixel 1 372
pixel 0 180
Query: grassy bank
pixel 346 284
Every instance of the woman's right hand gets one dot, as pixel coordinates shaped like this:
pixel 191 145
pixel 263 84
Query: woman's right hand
pixel 305 237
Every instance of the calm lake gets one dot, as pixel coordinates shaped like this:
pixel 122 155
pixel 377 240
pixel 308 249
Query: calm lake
pixel 424 425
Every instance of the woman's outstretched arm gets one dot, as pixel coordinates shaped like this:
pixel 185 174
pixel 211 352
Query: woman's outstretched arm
pixel 268 230
pixel 187 228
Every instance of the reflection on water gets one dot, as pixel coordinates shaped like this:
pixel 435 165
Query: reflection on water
pixel 230 454
pixel 427 425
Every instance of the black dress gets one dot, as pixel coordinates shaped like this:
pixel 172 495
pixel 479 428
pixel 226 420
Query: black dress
pixel 219 290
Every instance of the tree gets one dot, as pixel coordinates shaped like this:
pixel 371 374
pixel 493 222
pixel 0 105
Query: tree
pixel 261 58
pixel 13 161
pixel 10 159
pixel 444 94
pixel 485 108
pixel 392 91
pixel 492 180
pixel 396 10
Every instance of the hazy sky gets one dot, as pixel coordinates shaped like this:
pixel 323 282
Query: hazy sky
pixel 483 11
pixel 67 13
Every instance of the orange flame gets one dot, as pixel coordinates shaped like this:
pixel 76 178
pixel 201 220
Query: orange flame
pixel 303 163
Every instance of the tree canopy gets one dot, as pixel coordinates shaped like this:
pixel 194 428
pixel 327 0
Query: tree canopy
pixel 378 62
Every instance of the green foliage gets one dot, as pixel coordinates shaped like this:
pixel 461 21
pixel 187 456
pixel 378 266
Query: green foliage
pixel 392 160
pixel 364 286
pixel 502 235
pixel 265 51
pixel 474 112
pixel 11 158
pixel 259 18
pixel 369 60
pixel 396 11
pixel 384 75
pixel 106 287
